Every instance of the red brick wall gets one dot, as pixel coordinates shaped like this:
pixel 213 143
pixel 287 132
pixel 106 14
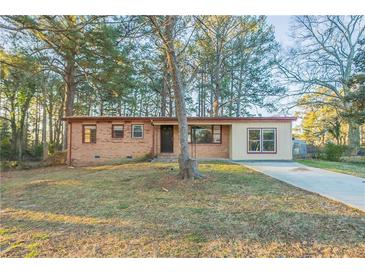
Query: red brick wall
pixel 106 147
pixel 213 150
pixel 199 150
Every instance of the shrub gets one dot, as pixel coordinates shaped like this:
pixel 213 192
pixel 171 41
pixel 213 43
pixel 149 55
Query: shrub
pixel 38 151
pixel 353 159
pixel 54 148
pixel 57 158
pixel 333 152
pixel 6 152
pixel 6 165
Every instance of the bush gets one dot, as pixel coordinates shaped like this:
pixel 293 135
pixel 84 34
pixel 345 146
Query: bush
pixel 54 148
pixel 38 151
pixel 57 158
pixel 333 152
pixel 6 165
pixel 33 153
pixel 6 152
pixel 353 159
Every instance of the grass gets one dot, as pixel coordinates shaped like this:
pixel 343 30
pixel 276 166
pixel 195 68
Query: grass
pixel 356 169
pixel 125 211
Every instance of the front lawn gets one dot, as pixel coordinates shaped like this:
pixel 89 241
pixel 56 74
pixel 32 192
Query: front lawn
pixel 141 210
pixel 356 169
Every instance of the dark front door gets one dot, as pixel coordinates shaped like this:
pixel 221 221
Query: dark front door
pixel 167 139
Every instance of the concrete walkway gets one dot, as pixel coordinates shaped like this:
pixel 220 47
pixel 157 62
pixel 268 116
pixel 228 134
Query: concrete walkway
pixel 347 189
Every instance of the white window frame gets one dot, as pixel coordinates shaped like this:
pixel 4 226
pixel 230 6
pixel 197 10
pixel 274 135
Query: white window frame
pixel 134 137
pixel 262 151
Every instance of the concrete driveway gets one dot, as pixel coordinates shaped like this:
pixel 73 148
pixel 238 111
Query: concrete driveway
pixel 347 189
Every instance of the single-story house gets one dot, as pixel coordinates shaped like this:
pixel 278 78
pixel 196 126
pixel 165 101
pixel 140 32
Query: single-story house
pixel 99 139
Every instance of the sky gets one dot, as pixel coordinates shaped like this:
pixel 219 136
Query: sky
pixel 281 24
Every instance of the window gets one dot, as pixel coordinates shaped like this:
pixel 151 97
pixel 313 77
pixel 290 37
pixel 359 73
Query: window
pixel 268 140
pixel 117 131
pixel 89 134
pixel 202 135
pixel 262 140
pixel 205 134
pixel 254 143
pixel 137 131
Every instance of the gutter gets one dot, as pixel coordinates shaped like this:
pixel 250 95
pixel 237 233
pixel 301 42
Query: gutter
pixel 70 144
pixel 153 138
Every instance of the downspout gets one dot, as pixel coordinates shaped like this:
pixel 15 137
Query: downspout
pixel 153 138
pixel 70 144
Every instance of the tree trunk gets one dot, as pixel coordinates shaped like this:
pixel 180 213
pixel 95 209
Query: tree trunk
pixel 165 90
pixel 200 91
pixel 120 108
pixel 20 145
pixel 101 108
pixel 217 84
pixel 37 121
pixel 171 104
pixel 69 93
pixel 188 167
pixel 212 93
pixel 50 123
pixel 21 131
pixel 239 92
pixel 44 133
pixel 14 130
pixel 204 96
pixel 353 137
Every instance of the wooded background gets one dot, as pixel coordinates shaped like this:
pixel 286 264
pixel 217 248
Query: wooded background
pixel 57 66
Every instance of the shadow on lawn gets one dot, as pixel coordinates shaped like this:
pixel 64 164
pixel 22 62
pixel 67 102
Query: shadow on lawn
pixel 263 226
pixel 131 209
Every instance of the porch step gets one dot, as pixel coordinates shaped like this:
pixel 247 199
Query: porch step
pixel 165 160
pixel 167 156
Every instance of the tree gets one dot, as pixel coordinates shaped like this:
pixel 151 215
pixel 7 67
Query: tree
pixel 164 28
pixel 112 65
pixel 66 45
pixel 19 84
pixel 356 96
pixel 60 37
pixel 321 123
pixel 236 60
pixel 323 57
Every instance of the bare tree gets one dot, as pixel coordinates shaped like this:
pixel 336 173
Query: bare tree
pixel 323 60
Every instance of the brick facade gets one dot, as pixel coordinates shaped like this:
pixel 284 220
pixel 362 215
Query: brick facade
pixel 233 145
pixel 199 150
pixel 107 148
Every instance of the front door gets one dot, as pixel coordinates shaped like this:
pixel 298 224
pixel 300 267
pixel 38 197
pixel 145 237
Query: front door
pixel 167 139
